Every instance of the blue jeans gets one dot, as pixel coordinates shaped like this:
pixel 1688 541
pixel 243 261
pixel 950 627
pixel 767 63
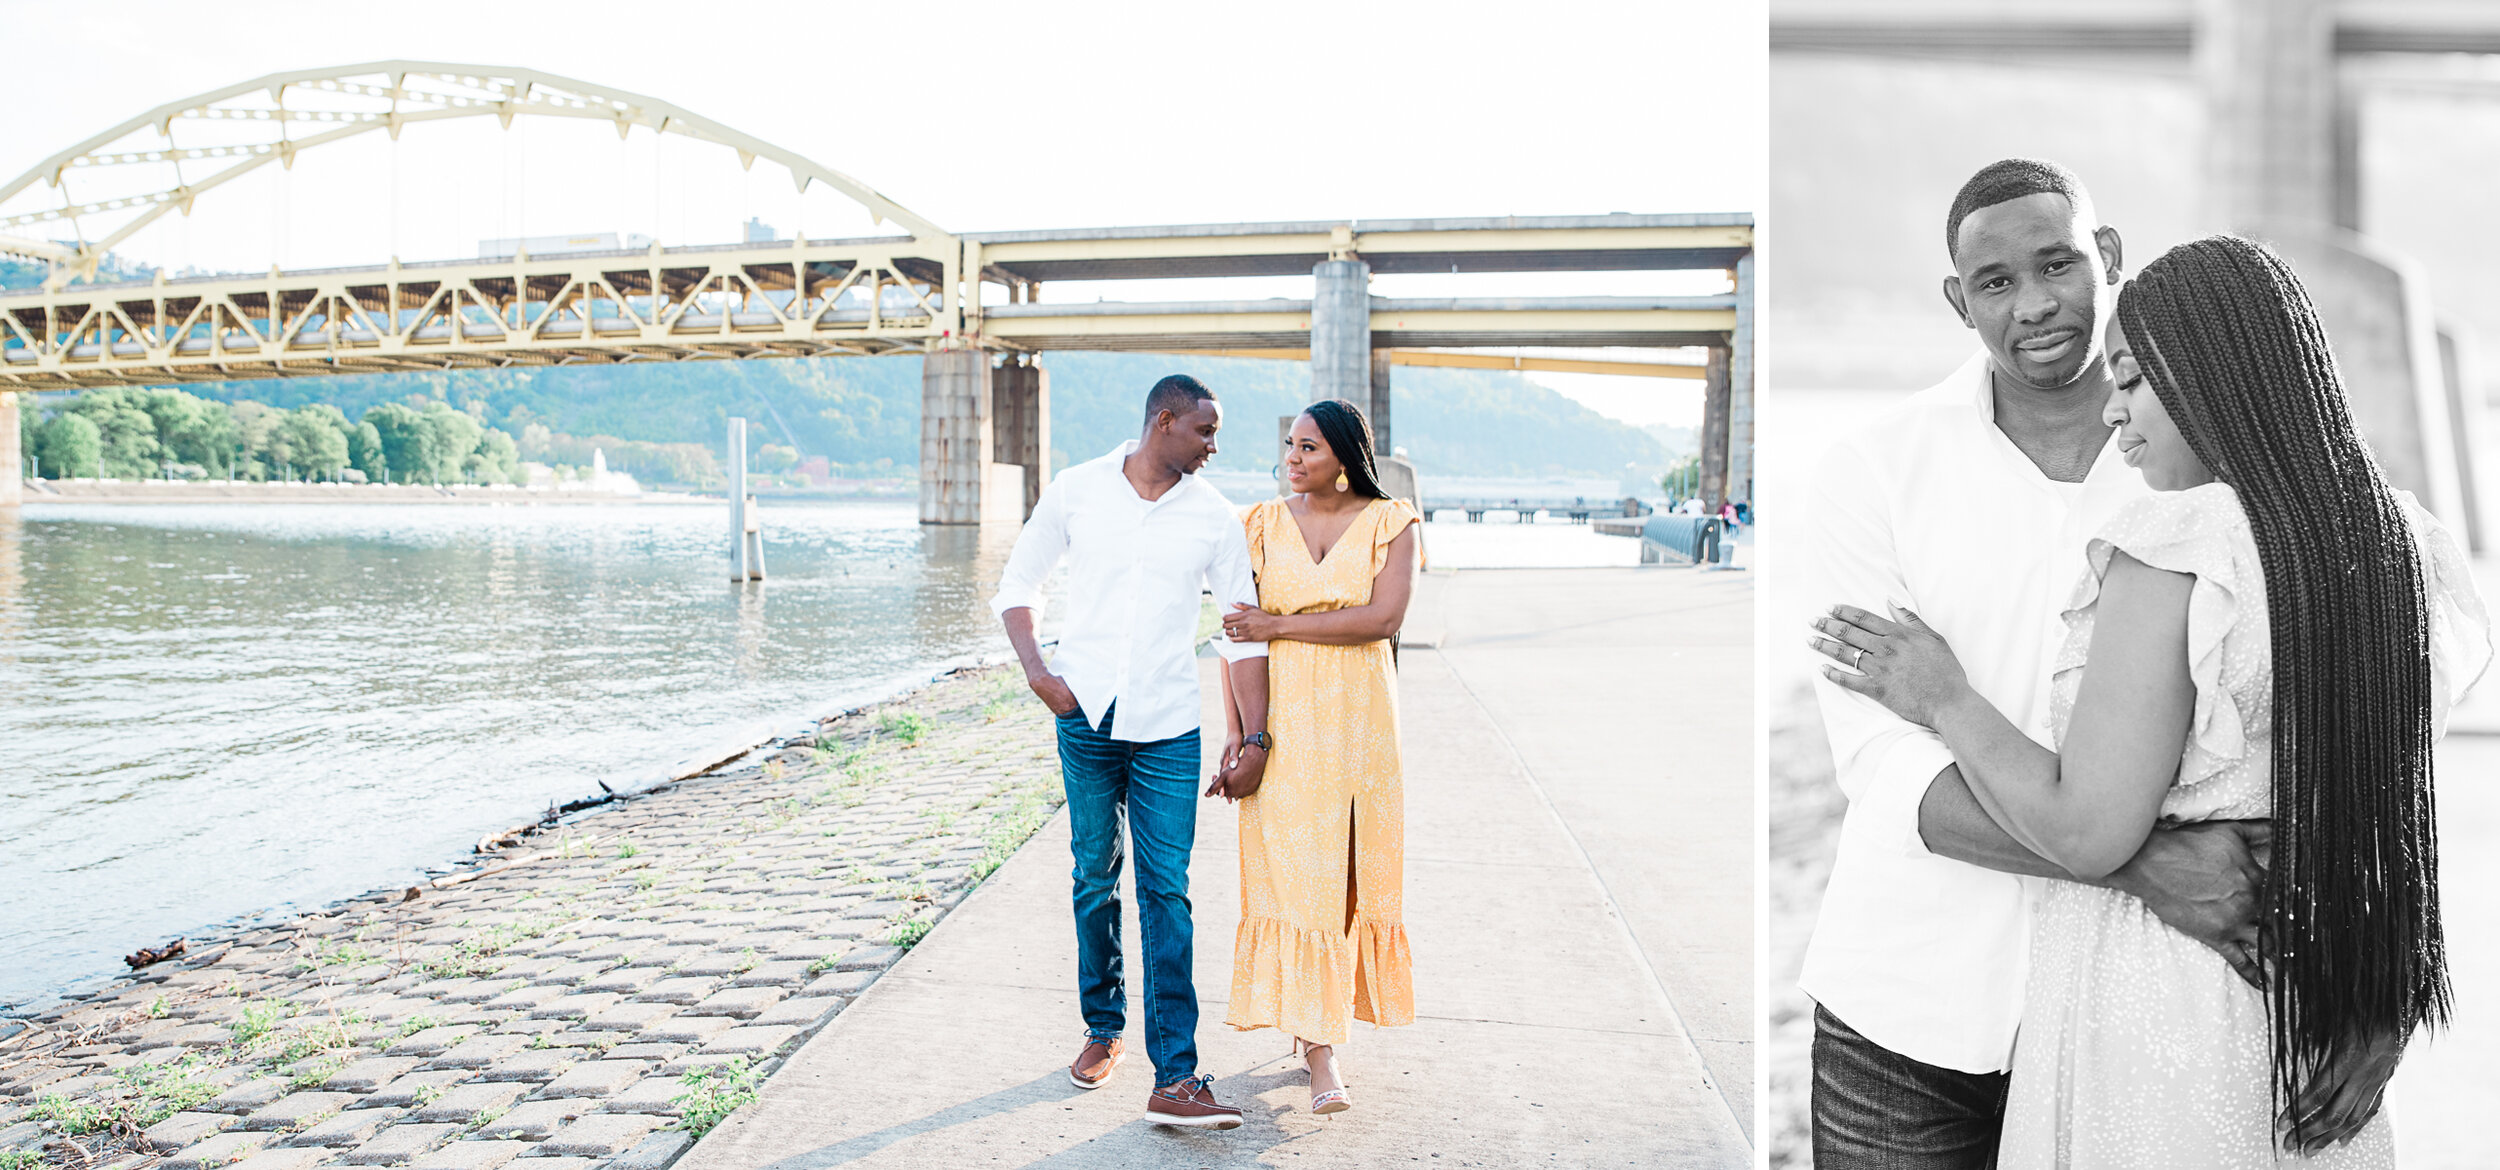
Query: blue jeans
pixel 1875 1108
pixel 1153 789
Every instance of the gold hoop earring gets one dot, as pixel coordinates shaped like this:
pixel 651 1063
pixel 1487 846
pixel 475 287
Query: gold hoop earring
pixel 1341 483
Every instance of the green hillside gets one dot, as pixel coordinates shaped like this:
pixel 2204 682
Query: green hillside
pixel 863 414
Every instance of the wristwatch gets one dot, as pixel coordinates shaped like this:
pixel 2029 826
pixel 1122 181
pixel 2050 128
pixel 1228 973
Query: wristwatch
pixel 1259 740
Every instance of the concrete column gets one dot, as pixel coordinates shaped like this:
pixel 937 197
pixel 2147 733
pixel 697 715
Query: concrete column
pixel 1020 427
pixel 2271 100
pixel 12 460
pixel 1378 407
pixel 1740 389
pixel 1341 330
pixel 1714 430
pixel 737 472
pixel 955 441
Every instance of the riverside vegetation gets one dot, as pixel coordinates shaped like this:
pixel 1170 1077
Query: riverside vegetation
pixel 597 996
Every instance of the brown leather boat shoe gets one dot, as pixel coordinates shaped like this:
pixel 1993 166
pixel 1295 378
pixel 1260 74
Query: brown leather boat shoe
pixel 1191 1103
pixel 1093 1065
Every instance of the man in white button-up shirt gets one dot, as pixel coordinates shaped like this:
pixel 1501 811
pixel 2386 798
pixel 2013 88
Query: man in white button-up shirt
pixel 1141 535
pixel 1971 504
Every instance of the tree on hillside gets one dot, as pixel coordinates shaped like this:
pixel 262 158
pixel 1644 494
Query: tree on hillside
pixel 69 447
pixel 125 432
pixel 496 460
pixel 408 445
pixel 191 429
pixel 364 453
pixel 268 451
pixel 456 436
pixel 318 435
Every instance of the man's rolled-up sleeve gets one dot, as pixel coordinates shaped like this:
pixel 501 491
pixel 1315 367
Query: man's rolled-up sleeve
pixel 1884 762
pixel 1038 550
pixel 1230 579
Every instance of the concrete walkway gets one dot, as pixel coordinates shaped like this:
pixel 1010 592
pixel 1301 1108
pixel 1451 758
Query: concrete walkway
pixel 1579 881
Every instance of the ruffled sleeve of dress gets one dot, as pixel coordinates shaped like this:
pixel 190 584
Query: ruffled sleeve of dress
pixel 1390 517
pixel 1254 523
pixel 2203 533
pixel 2460 641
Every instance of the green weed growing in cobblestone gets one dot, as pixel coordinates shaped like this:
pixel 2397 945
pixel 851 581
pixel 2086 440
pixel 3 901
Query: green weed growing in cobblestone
pixel 165 1088
pixel 73 1117
pixel 426 1094
pixel 907 934
pixel 332 953
pixel 21 1159
pixel 415 1024
pixel 626 850
pixel 713 1093
pixel 907 726
pixel 1008 832
pixel 822 965
pixel 158 1007
pixel 480 953
pixel 259 1016
pixel 774 770
pixel 314 1039
pixel 747 959
pixel 485 1117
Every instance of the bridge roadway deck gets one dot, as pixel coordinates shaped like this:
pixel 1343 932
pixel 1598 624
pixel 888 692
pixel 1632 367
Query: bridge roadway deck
pixel 1579 897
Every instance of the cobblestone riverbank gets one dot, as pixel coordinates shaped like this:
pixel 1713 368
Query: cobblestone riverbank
pixel 593 996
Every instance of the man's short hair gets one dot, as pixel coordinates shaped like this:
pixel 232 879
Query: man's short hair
pixel 1178 393
pixel 2003 182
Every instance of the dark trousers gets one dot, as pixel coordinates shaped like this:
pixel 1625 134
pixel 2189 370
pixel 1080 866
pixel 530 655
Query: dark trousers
pixel 1150 790
pixel 1875 1109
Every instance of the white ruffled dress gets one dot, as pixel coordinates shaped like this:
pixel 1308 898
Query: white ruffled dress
pixel 2139 1047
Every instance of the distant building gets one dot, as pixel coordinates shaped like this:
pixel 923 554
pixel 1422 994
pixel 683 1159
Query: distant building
pixel 817 469
pixel 759 232
pixel 555 245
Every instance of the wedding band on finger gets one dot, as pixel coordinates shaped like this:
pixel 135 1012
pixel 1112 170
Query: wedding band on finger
pixel 1861 657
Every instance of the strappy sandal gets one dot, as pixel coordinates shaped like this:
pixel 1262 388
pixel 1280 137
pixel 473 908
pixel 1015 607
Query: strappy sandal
pixel 1322 1103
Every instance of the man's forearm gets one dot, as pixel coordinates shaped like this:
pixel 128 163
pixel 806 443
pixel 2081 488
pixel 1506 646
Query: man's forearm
pixel 1248 678
pixel 1953 825
pixel 1020 636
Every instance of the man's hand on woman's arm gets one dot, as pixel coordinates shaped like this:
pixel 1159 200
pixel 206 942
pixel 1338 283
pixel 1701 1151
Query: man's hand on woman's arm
pixel 2203 880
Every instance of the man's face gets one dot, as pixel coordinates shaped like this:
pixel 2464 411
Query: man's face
pixel 2029 278
pixel 1191 436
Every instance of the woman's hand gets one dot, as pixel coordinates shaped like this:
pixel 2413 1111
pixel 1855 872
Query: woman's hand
pixel 1249 623
pixel 1901 664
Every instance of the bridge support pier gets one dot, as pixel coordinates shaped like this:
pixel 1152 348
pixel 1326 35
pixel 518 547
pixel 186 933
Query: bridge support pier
pixel 1341 332
pixel 1020 426
pixel 966 476
pixel 1714 430
pixel 11 458
pixel 1378 404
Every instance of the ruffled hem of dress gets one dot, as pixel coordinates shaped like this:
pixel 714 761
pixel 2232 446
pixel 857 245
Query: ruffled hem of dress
pixel 1311 983
pixel 2180 532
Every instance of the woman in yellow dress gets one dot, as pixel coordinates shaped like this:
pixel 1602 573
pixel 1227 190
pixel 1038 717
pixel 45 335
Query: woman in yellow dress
pixel 1323 837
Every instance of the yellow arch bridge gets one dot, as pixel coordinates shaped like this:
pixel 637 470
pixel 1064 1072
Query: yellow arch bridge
pixel 984 423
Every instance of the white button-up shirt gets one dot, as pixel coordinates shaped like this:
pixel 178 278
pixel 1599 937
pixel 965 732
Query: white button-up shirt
pixel 1135 569
pixel 1934 507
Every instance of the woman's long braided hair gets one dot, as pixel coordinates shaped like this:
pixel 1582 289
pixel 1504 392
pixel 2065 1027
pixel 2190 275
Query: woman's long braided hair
pixel 2238 357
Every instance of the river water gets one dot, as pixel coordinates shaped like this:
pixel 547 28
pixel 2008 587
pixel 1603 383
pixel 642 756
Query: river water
pixel 211 712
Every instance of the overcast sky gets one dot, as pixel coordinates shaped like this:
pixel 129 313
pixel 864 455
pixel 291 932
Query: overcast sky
pixel 975 115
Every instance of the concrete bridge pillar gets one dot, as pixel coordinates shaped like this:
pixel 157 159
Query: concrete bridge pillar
pixel 962 480
pixel 12 460
pixel 1714 430
pixel 1341 331
pixel 1378 406
pixel 2271 97
pixel 1020 427
pixel 1740 389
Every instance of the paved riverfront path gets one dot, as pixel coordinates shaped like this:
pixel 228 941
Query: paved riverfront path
pixel 1579 892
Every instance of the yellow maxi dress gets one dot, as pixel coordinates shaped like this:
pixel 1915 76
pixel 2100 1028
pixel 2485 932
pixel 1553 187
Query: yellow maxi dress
pixel 1333 780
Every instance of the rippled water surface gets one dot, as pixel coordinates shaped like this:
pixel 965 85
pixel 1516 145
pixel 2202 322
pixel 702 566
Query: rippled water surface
pixel 215 710
pixel 218 710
